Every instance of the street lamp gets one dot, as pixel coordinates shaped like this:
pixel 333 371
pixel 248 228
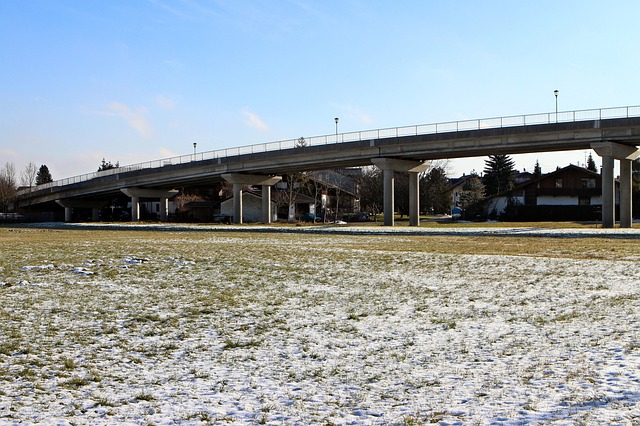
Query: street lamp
pixel 555 92
pixel 337 119
pixel 195 144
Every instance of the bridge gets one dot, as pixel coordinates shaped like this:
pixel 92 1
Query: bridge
pixel 614 134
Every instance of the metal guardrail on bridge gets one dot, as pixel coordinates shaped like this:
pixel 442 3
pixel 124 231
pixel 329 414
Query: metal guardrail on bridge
pixel 416 130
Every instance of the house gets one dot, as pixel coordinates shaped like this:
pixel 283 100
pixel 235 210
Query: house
pixel 319 193
pixel 457 187
pixel 570 193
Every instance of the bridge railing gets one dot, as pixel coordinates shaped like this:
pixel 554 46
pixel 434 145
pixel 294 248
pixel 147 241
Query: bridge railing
pixel 365 135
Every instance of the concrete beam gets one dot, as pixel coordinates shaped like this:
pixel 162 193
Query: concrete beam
pixel 149 193
pixel 616 150
pixel 84 204
pixel 247 179
pixel 398 165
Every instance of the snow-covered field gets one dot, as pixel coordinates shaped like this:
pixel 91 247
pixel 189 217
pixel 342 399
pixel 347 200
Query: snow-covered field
pixel 148 327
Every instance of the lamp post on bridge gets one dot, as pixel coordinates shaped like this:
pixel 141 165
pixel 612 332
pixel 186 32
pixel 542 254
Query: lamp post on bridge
pixel 555 92
pixel 337 119
pixel 195 144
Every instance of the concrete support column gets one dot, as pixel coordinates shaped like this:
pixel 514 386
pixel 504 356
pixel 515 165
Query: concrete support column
pixel 237 203
pixel 68 211
pixel 608 193
pixel 625 194
pixel 414 199
pixel 266 204
pixel 95 214
pixel 135 209
pixel 164 209
pixel 389 197
pixel 240 179
pixel 391 165
pixel 610 151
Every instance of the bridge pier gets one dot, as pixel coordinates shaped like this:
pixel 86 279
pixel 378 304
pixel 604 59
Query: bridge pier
pixel 391 165
pixel 611 151
pixel 137 193
pixel 69 205
pixel 239 180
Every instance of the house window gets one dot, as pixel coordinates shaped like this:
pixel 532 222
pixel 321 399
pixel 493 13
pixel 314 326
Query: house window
pixel 588 183
pixel 558 183
pixel 584 201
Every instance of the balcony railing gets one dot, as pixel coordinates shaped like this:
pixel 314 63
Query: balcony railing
pixel 365 135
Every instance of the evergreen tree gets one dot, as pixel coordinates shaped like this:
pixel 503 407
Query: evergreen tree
pixel 537 170
pixel 107 165
pixel 591 165
pixel 498 174
pixel 472 198
pixel 43 176
pixel 437 190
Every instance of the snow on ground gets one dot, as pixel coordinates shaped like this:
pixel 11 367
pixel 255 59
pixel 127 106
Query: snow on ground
pixel 340 328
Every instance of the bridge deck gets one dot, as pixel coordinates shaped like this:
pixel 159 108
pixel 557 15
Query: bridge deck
pixel 449 140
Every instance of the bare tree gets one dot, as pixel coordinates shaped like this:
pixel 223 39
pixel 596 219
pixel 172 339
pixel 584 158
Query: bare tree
pixel 183 199
pixel 28 175
pixel 7 186
pixel 290 195
pixel 371 190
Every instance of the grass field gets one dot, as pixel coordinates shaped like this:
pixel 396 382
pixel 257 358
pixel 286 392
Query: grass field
pixel 211 325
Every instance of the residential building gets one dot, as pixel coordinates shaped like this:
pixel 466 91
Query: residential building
pixel 570 193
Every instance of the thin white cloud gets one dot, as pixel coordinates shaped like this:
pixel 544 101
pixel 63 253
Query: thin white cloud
pixel 254 121
pixel 7 153
pixel 355 114
pixel 167 153
pixel 165 102
pixel 137 118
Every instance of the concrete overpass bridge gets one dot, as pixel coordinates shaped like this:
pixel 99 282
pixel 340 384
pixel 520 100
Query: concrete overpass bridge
pixel 614 134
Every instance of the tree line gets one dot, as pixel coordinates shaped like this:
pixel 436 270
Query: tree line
pixel 29 177
pixel 9 184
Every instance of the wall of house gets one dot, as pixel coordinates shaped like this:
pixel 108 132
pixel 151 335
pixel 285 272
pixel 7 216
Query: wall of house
pixel 567 201
pixel 557 200
pixel 571 178
pixel 251 208
pixel 499 204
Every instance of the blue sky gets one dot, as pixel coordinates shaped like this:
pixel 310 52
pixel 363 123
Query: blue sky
pixel 138 80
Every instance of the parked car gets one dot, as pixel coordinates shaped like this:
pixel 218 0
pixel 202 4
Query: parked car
pixel 222 218
pixel 357 217
pixel 307 217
